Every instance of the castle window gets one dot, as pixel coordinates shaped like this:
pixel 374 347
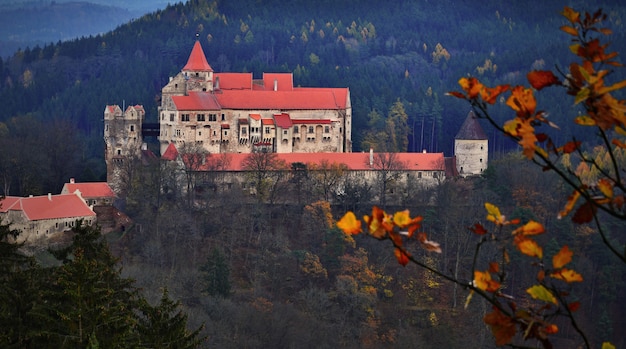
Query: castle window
pixel 285 132
pixel 225 133
pixel 481 147
pixel 326 129
pixel 244 130
pixel 107 127
pixel 200 117
pixel 162 116
pixel 310 129
pixel 481 160
pixel 184 117
pixel 419 174
pixel 177 133
pixel 119 152
pixel 296 129
pixel 172 117
pixel 223 117
pixel 267 130
pixel 132 128
pixel 199 133
pixel 212 117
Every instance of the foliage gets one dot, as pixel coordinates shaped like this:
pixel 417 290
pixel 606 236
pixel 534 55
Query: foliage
pixel 518 317
pixel 217 274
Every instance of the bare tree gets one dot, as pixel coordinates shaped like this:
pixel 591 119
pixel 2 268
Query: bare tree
pixel 194 157
pixel 327 177
pixel 388 170
pixel 266 172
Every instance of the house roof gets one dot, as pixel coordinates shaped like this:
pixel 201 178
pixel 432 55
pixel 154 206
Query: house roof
pixel 267 121
pixel 8 202
pixel 283 120
pixel 197 60
pixel 171 153
pixel 280 81
pixel 321 98
pixel 51 207
pixel 233 81
pixel 196 101
pixel 471 129
pixel 89 190
pixel 354 161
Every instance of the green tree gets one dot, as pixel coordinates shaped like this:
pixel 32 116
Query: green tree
pixel 217 274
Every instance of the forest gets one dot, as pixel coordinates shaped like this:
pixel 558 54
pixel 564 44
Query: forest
pixel 255 274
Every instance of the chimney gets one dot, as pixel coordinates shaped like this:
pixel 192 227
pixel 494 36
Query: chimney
pixel 424 151
pixel 371 156
pixel 72 181
pixel 50 196
pixel 275 84
pixel 217 83
pixel 144 146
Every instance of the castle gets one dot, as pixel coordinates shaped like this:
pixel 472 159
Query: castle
pixel 233 113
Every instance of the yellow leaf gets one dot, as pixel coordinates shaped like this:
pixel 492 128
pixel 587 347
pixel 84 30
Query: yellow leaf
pixel 530 228
pixel 584 120
pixel 607 345
pixel 567 275
pixel 582 95
pixel 481 279
pixel 402 218
pixel 613 87
pixel 574 48
pixel 349 224
pixel 530 248
pixel 493 213
pixel 541 293
pixel 511 127
pixel 606 187
pixel 562 258
pixel 571 15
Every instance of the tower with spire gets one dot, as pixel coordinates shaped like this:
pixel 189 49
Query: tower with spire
pixel 471 147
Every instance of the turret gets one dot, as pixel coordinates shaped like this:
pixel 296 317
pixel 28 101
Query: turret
pixel 471 147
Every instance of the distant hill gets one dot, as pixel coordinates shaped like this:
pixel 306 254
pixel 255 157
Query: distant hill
pixel 30 23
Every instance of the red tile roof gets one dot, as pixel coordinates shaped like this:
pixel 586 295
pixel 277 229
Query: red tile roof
pixel 283 120
pixel 256 117
pixel 52 207
pixel 233 81
pixel 8 202
pixel 286 100
pixel 171 153
pixel 267 121
pixel 283 81
pixel 196 101
pixel 89 190
pixel 354 161
pixel 197 60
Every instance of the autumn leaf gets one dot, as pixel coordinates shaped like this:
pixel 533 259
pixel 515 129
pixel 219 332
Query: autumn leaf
pixel 493 214
pixel 607 345
pixel 571 147
pixel 567 275
pixel 427 244
pixel 562 258
pixel 551 329
pixel 502 327
pixel 471 86
pixel 571 201
pixel 584 120
pixel 490 94
pixel 571 15
pixel 378 224
pixel 541 293
pixel 584 214
pixel 522 101
pixel 402 257
pixel 529 247
pixel 569 30
pixel 483 281
pixel 606 187
pixel 573 306
pixel 542 78
pixel 530 228
pixel 349 224
pixel 402 218
pixel 478 229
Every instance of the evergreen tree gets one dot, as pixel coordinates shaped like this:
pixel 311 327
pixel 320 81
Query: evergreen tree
pixel 217 274
pixel 165 326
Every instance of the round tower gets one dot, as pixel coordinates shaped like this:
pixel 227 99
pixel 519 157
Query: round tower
pixel 471 147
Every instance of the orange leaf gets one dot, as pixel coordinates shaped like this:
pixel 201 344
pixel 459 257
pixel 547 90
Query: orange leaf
pixel 569 30
pixel 530 228
pixel 529 247
pixel 402 257
pixel 456 94
pixel 552 329
pixel 567 275
pixel 571 201
pixel 542 78
pixel 522 101
pixel 483 281
pixel 584 214
pixel 427 244
pixel 349 224
pixel 562 258
pixel 471 86
pixel 494 267
pixel 502 327
pixel 490 95
pixel 571 15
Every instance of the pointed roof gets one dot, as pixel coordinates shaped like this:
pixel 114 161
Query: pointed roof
pixel 51 207
pixel 471 129
pixel 89 189
pixel 197 60
pixel 171 153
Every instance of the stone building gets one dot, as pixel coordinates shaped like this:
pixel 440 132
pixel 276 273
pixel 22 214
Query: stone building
pixel 41 217
pixel 235 113
pixel 94 193
pixel 471 147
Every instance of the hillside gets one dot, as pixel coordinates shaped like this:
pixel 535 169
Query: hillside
pixel 408 51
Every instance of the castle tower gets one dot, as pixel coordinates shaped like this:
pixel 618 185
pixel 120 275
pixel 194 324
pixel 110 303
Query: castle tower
pixel 122 140
pixel 471 147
